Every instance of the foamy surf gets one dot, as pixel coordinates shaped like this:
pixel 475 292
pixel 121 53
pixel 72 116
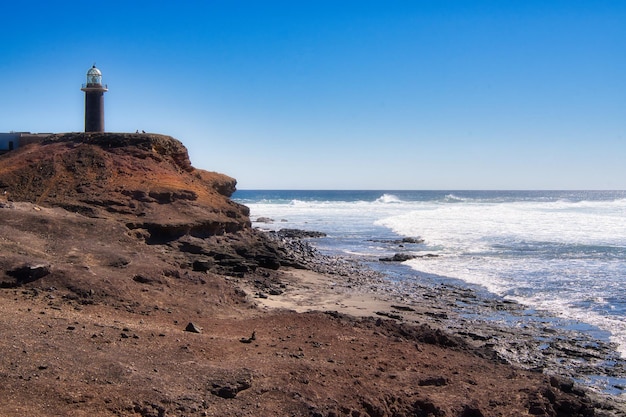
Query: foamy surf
pixel 549 250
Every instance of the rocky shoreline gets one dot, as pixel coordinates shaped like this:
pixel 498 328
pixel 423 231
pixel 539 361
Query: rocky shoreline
pixel 131 285
pixel 517 335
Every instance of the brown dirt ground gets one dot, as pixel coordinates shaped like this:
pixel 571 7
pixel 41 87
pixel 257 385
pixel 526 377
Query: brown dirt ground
pixel 93 339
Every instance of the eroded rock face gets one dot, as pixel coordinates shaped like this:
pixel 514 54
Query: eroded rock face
pixel 146 183
pixel 146 179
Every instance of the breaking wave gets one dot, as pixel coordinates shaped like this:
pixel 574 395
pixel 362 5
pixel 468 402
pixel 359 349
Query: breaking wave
pixel 388 199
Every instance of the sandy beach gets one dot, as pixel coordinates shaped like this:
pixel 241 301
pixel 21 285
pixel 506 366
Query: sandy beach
pixel 306 290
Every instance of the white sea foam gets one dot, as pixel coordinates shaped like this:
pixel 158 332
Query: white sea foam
pixel 541 254
pixel 388 198
pixel 466 269
pixel 454 198
pixel 469 224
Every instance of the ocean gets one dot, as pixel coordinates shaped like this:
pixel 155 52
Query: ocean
pixel 561 253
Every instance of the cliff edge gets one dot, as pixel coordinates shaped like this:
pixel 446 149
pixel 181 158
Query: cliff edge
pixel 146 179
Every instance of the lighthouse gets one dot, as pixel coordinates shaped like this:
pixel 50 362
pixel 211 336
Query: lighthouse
pixel 94 101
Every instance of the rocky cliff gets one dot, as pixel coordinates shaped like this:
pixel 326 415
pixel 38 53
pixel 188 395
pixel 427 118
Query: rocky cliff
pixel 146 179
pixel 147 183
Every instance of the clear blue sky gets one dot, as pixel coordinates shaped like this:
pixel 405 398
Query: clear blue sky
pixel 432 94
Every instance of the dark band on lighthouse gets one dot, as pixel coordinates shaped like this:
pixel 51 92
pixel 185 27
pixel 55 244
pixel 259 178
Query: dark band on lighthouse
pixel 94 101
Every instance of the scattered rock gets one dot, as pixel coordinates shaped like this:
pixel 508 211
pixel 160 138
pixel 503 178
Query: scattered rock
pixel 146 280
pixel 390 315
pixel 29 273
pixel 299 234
pixel 402 308
pixel 561 383
pixel 437 381
pixel 119 262
pixel 415 240
pixel 399 257
pixel 193 328
pixel 228 386
pixel 248 339
pixel 471 411
pixel 473 335
pixel 149 410
pixel 402 257
pixel 437 315
pixel 425 407
pixel 406 240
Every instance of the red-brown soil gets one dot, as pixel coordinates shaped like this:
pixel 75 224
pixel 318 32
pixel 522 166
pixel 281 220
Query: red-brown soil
pixel 96 295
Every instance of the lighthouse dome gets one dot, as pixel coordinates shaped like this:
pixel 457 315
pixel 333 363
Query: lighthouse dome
pixel 94 76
